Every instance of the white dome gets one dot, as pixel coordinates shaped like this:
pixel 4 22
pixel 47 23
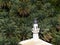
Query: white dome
pixel 34 42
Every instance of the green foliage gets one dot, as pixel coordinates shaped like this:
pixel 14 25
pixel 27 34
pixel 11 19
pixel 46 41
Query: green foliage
pixel 16 19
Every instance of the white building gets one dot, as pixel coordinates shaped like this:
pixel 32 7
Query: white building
pixel 35 40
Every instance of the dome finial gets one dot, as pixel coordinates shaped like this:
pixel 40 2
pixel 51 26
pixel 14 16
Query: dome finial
pixel 35 21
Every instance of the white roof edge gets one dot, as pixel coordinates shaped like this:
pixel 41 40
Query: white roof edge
pixel 25 41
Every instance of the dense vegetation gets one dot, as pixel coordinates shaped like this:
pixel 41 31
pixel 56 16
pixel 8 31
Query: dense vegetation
pixel 16 19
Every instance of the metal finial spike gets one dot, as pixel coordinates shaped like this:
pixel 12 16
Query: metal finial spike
pixel 35 21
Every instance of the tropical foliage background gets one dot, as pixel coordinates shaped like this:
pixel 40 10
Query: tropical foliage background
pixel 16 20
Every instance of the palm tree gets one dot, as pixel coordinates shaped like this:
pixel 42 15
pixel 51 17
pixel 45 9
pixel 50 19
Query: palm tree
pixel 24 9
